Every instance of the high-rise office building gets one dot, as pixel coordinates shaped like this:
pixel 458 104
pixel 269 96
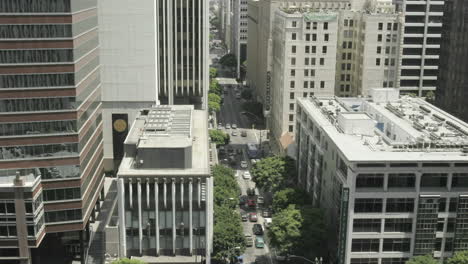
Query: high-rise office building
pixel 421 45
pixel 452 89
pixel 150 51
pixel 391 173
pixel 51 150
pixel 239 33
pixel 304 63
pixel 165 188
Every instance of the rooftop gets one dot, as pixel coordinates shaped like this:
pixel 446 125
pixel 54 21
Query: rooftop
pixel 175 133
pixel 390 127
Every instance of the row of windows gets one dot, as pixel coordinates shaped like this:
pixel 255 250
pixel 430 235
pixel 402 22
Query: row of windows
pixel 37 151
pixel 61 216
pixel 391 225
pixel 37 80
pixel 321 61
pixel 389 245
pixel 375 205
pixel 62 194
pixel 408 180
pixel 30 128
pixel 36 56
pixel 34 6
pixel 389 26
pixel 37 104
pixel 35 31
pixel 307 84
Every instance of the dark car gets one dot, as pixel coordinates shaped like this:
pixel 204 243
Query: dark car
pixel 250 191
pixel 243 200
pixel 267 213
pixel 243 133
pixel 257 229
pixel 251 203
pixel 244 217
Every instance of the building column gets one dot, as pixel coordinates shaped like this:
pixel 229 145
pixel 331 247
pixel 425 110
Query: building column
pixel 21 227
pixel 140 229
pixel 121 206
pixel 82 248
pixel 174 228
pixel 190 216
pixel 199 192
pixel 156 213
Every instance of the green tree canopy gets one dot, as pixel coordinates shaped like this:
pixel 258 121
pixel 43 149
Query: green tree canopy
pixel 225 186
pixel 283 198
pixel 313 232
pixel 214 98
pixel 285 230
pixel 427 259
pixel 219 137
pixel 273 173
pixel 213 73
pixel 214 106
pixel 128 261
pixel 215 87
pixel 228 60
pixel 460 257
pixel 227 234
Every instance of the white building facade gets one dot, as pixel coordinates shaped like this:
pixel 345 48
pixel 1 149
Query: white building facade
pixel 304 59
pixel 391 173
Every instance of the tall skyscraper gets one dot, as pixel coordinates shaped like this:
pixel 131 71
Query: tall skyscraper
pixel 239 33
pixel 51 150
pixel 452 89
pixel 151 51
pixel 165 188
pixel 421 45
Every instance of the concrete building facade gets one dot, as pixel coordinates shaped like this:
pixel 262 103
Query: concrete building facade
pixel 51 149
pixel 165 61
pixel 421 45
pixel 239 33
pixel 165 189
pixel 369 50
pixel 453 73
pixel 304 59
pixel 391 173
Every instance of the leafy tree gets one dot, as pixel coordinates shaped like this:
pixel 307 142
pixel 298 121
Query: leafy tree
pixel 215 87
pixel 285 197
pixel 128 261
pixel 228 60
pixel 273 173
pixel 214 98
pixel 313 232
pixel 214 106
pixel 285 230
pixel 430 96
pixel 213 73
pixel 219 137
pixel 427 259
pixel 227 234
pixel 254 108
pixel 225 187
pixel 246 94
pixel 460 257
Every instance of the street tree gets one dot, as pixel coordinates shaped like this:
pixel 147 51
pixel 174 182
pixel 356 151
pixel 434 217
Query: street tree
pixel 228 238
pixel 226 190
pixel 285 230
pixel 313 232
pixel 460 257
pixel 214 106
pixel 219 137
pixel 213 73
pixel 215 87
pixel 273 173
pixel 287 196
pixel 228 60
pixel 128 261
pixel 214 98
pixel 427 259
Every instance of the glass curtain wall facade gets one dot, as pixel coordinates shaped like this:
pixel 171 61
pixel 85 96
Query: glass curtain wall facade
pixel 50 110
pixel 183 52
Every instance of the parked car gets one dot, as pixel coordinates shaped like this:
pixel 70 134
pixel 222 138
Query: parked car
pixel 243 200
pixel 234 133
pixel 267 212
pixel 257 229
pixel 228 126
pixel 243 133
pixel 246 175
pixel 259 242
pixel 244 164
pixel 260 200
pixel 253 217
pixel 248 240
pixel 251 191
pixel 251 203
pixel 234 126
pixel 244 217
pixel 267 222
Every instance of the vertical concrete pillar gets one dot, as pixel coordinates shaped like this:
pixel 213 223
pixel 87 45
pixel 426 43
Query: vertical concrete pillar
pixel 174 227
pixel 156 213
pixel 121 206
pixel 82 248
pixel 140 228
pixel 21 227
pixel 190 216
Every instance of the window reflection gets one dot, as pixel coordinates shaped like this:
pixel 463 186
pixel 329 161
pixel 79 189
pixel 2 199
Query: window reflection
pixel 38 151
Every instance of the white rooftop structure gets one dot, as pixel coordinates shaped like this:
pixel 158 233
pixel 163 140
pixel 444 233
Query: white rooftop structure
pixel 390 127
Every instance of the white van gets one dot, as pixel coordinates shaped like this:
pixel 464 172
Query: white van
pixel 267 222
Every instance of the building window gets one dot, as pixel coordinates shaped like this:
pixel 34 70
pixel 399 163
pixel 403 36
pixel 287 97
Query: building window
pixel 389 26
pixel 325 25
pixel 307 37
pixel 396 244
pixel 400 205
pixel 293 61
pixel 7 207
pixel 380 26
pixel 343 56
pixel 291 128
pixel 312 72
pixel 293 73
pixel 453 205
pixel 291 107
pixel 460 180
pixel 306 61
pixel 401 180
pixel 403 225
pixel 366 225
pixel 368 205
pixel 379 50
pixel 307 49
pixel 294 24
pixel 350 44
pixel 314 37
pixel 62 194
pixel 369 180
pixel 350 56
pixel 324 49
pixel 308 25
pixel 306 84
pixel 351 23
pixel 377 61
pixel 442 204
pixel 345 22
pixel 292 84
pixel 291 118
pixel 312 61
pixel 314 49
pixel 293 49
pixel 365 245
pixel 8 230
pixel 451 225
pixel 379 37
pixel 448 244
pixel 293 36
pixel 306 73
pixel 322 84
pixel 394 260
pixel 322 61
pixel 291 96
pixel 434 180
pixel 364 261
pixel 304 94
pixel 312 84
pixel 314 25
pixel 326 37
